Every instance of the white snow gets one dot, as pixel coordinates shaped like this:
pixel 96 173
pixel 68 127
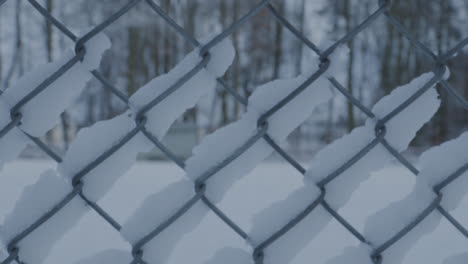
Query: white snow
pixel 230 255
pixel 36 200
pixel 273 179
pixel 43 111
pixel 435 167
pixel 12 143
pixel 412 118
pixel 270 220
pixel 161 116
pixel 164 199
pixel 282 212
pixel 155 210
pixel 114 256
pixel 458 259
pixel 210 153
pixel 93 141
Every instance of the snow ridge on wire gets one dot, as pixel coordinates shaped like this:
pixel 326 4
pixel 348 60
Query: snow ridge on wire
pixel 33 105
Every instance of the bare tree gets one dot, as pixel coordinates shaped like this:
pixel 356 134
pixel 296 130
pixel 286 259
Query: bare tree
pixel 277 48
pixel 16 62
pixel 300 44
pixel 348 16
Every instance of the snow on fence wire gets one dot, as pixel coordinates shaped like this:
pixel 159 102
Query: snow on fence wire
pixel 105 151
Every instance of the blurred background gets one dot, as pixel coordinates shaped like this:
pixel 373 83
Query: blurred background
pixel 144 46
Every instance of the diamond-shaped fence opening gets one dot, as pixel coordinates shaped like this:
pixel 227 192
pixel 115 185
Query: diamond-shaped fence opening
pixel 86 172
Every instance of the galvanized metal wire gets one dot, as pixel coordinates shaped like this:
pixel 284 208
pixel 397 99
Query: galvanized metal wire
pixel 382 10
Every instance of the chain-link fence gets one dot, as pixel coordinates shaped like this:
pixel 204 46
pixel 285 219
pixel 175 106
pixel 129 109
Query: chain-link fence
pixel 200 185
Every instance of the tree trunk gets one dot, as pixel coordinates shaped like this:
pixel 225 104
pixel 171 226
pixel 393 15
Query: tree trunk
pixel 17 57
pixel 167 40
pixel 300 45
pixel 48 29
pixel 278 51
pixel 236 63
pixel 132 59
pixel 223 94
pixel 348 17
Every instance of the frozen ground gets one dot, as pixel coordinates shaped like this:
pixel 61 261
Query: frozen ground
pixel 269 182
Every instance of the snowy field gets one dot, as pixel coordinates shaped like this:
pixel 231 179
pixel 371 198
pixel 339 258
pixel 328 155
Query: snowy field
pixel 269 182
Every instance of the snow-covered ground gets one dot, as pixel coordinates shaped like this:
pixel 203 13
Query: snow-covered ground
pixel 269 182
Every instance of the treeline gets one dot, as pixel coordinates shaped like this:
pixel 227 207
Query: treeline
pixel 144 46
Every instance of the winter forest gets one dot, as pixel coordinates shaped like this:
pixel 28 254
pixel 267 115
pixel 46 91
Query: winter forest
pixel 144 46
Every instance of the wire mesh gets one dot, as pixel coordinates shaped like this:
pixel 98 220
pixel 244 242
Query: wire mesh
pixel 382 10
